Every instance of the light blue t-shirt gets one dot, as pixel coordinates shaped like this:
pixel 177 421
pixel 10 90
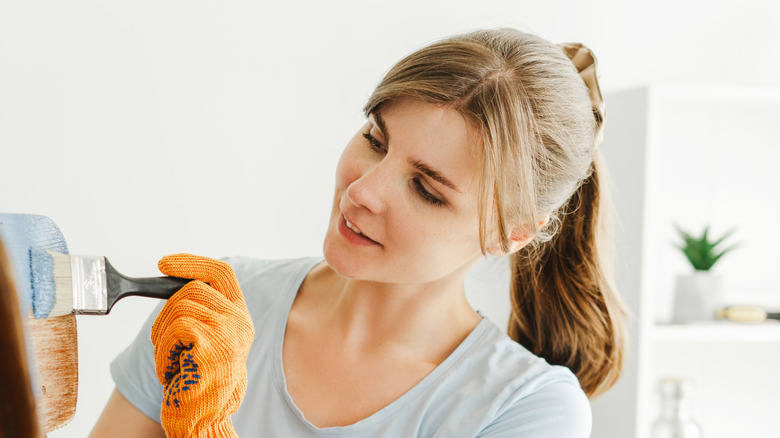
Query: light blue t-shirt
pixel 490 386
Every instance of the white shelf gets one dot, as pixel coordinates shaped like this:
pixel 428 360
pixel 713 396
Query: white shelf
pixel 693 155
pixel 715 332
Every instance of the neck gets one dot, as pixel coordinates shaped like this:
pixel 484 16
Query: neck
pixel 369 314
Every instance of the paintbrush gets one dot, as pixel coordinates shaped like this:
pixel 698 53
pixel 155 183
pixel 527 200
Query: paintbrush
pixel 63 284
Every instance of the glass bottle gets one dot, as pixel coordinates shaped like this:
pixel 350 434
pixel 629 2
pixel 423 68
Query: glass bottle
pixel 675 418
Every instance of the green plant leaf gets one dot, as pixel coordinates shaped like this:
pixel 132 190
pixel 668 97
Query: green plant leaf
pixel 699 251
pixel 724 237
pixel 722 253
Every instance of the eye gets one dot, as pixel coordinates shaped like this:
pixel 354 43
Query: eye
pixel 425 194
pixel 374 143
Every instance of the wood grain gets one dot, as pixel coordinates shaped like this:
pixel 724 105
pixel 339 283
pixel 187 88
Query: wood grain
pixel 56 351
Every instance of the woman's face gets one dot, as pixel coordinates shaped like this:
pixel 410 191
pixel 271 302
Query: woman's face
pixel 405 207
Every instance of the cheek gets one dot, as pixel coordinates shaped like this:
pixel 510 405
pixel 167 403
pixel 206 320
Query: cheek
pixel 461 234
pixel 435 234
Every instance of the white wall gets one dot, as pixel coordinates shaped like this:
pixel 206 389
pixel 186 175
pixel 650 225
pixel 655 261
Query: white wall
pixel 146 128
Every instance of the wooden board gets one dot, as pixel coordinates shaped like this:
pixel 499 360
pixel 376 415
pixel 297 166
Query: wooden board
pixel 54 366
pixel 56 352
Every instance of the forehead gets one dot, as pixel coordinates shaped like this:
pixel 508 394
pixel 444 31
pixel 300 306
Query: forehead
pixel 434 134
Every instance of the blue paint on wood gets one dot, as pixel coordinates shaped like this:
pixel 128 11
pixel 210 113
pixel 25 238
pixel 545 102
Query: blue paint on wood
pixel 20 234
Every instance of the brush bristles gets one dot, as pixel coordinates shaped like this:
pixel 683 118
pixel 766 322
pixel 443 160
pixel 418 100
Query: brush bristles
pixel 63 285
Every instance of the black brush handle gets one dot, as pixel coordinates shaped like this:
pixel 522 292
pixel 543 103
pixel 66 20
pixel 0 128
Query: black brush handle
pixel 120 286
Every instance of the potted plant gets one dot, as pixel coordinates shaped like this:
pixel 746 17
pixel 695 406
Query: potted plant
pixel 699 295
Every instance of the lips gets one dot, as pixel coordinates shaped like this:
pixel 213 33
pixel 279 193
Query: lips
pixel 353 234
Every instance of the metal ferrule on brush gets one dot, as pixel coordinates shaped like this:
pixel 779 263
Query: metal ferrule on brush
pixel 90 287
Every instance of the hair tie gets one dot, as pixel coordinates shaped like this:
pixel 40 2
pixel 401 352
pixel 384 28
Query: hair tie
pixel 587 67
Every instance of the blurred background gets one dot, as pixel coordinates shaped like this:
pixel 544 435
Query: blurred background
pixel 148 128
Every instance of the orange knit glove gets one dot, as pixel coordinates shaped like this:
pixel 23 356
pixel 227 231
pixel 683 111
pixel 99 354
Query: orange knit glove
pixel 201 341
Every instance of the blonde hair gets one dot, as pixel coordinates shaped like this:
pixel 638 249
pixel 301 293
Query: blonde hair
pixel 538 159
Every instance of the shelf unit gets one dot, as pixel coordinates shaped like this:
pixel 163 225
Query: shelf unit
pixel 694 155
pixel 718 332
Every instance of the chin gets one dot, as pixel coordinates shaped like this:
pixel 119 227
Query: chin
pixel 344 259
pixel 346 264
pixel 350 264
pixel 339 259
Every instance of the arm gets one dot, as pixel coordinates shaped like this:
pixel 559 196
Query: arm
pixel 121 419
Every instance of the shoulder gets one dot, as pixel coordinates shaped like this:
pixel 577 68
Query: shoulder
pixel 554 410
pixel 531 397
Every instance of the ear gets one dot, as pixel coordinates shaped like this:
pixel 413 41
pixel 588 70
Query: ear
pixel 520 237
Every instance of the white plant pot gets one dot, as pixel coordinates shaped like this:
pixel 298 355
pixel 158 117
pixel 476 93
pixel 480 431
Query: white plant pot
pixel 697 297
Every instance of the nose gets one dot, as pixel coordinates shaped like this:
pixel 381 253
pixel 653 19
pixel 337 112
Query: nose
pixel 369 190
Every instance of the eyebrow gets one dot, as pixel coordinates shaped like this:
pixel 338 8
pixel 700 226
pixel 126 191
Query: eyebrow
pixel 417 164
pixel 433 174
pixel 380 122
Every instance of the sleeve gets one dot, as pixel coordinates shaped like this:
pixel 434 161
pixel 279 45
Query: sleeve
pixel 559 410
pixel 133 371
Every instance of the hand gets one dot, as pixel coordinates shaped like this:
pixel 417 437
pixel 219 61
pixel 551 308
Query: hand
pixel 201 341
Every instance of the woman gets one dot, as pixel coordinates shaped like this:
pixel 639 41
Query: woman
pixel 484 143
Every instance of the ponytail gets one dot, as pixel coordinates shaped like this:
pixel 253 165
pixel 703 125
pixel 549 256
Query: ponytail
pixel 564 307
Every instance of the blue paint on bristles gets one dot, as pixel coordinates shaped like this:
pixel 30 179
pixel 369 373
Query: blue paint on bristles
pixel 44 291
